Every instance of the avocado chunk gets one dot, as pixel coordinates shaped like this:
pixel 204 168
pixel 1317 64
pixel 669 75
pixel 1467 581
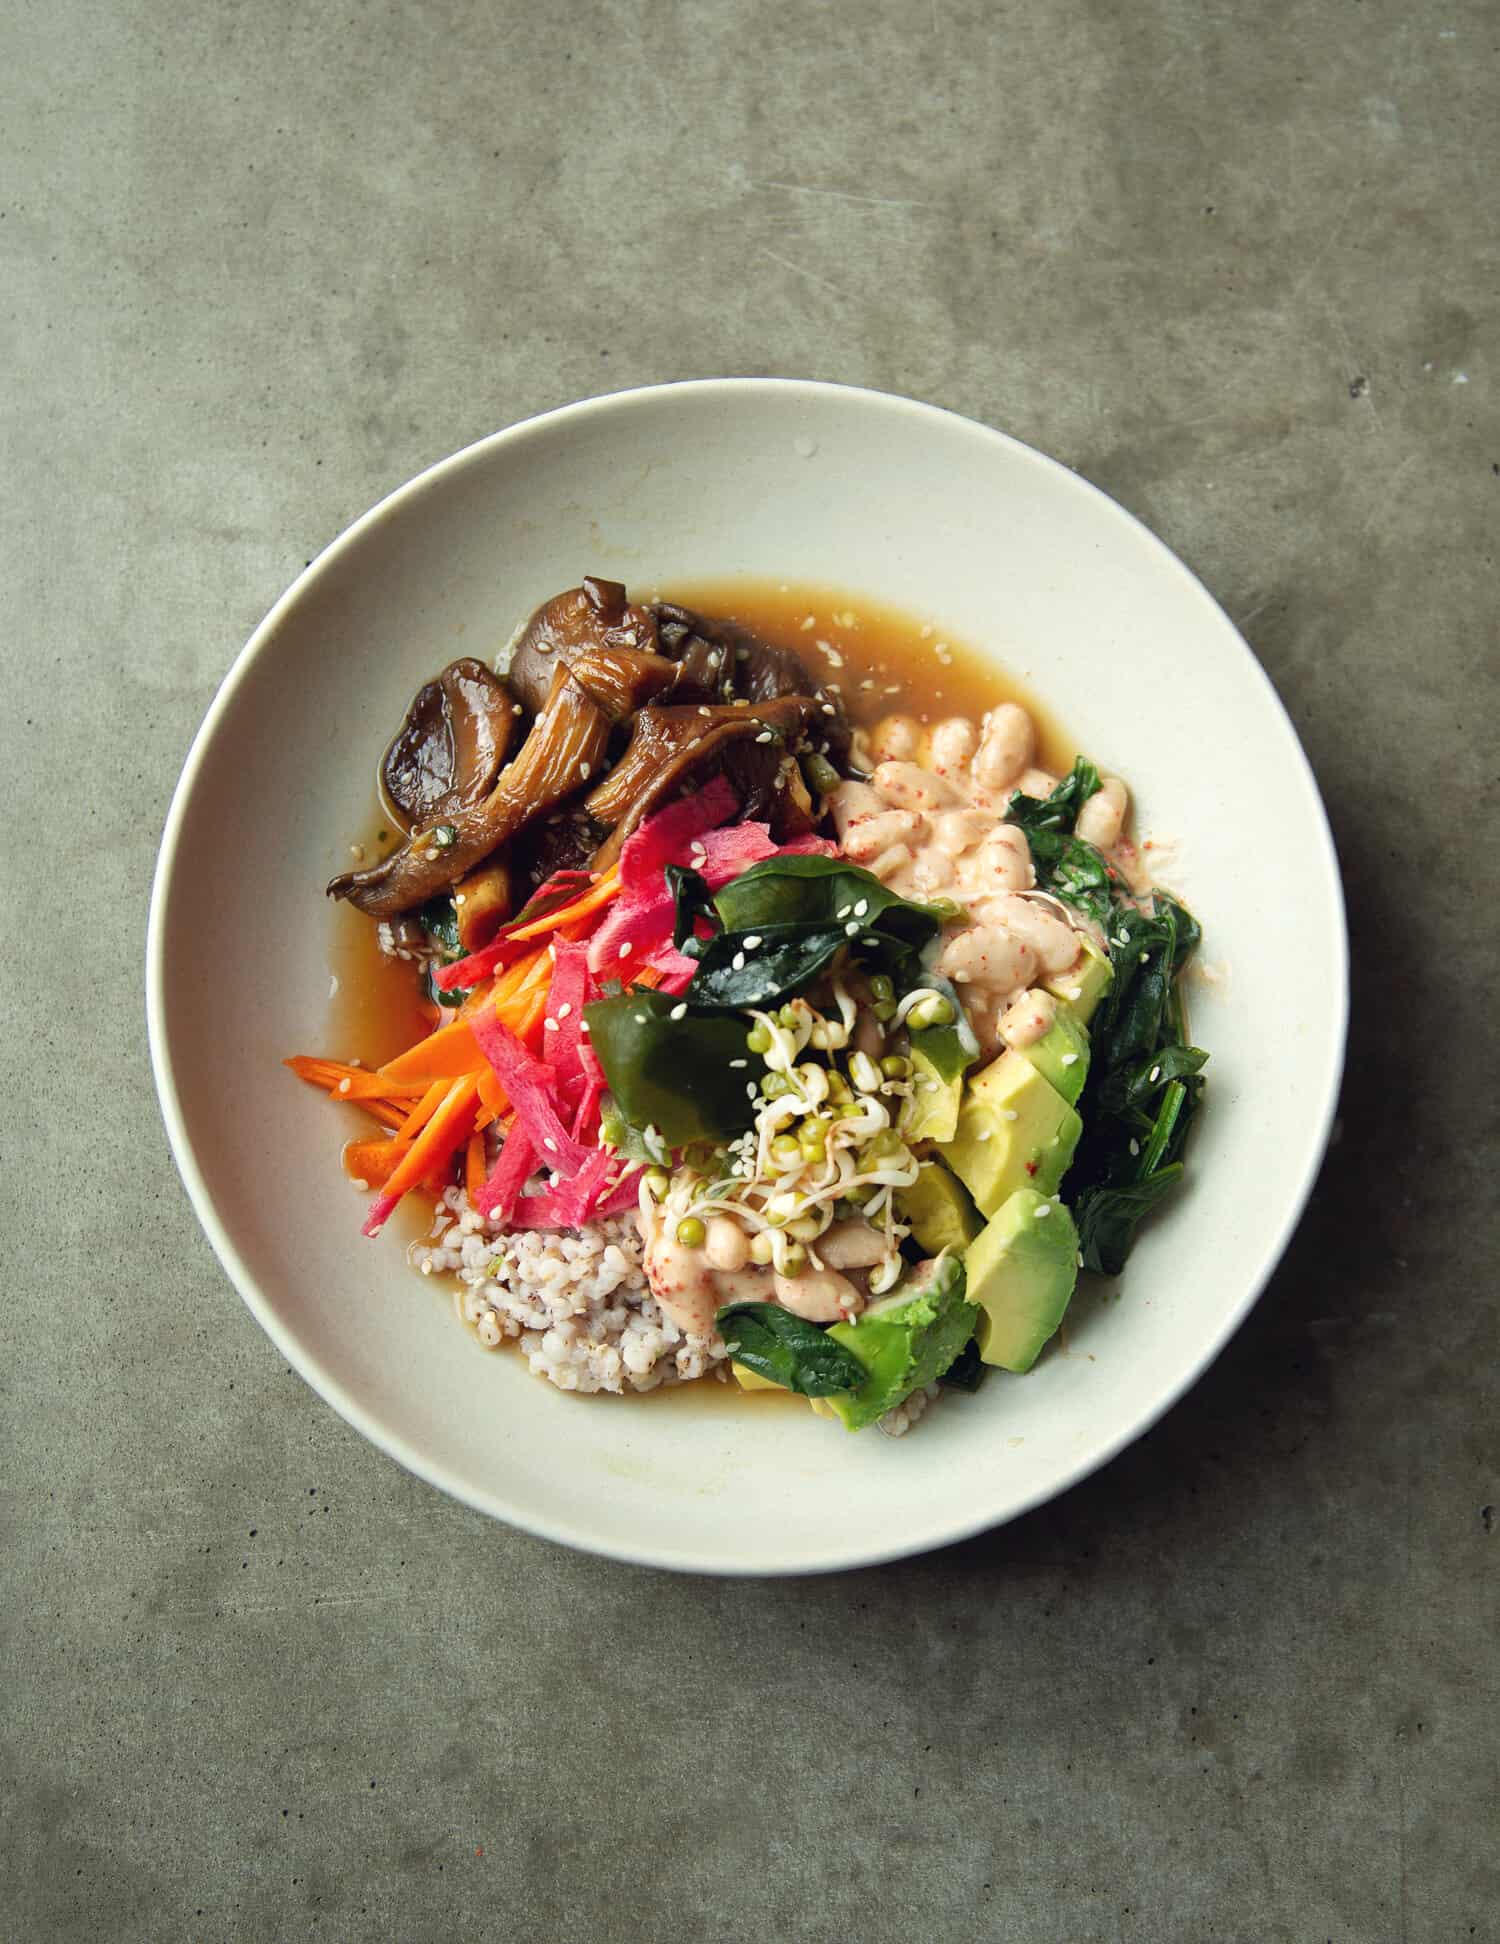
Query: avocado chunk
pixel 904 1341
pixel 1061 1055
pixel 1083 985
pixel 1014 1131
pixel 934 1101
pixel 750 1380
pixel 937 1210
pixel 1021 1274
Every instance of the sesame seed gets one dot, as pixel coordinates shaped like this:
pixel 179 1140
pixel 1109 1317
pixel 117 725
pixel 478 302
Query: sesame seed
pixel 703 710
pixel 1073 992
pixel 739 1063
pixel 460 897
pixel 1144 957
pixel 344 1085
pixel 1156 1073
pixel 737 963
pixel 867 683
pixel 585 771
pixel 843 911
pixel 1045 1209
pixel 565 1008
pixel 640 1019
pixel 809 624
pixel 624 952
pixel 985 1133
pixel 360 1184
pixel 549 1144
pixel 862 907
pixel 765 736
pixel 1080 1258
pixel 1010 1113
pixel 851 930
pixel 829 709
pixel 752 941
pixel 1070 1059
pixel 894 689
pixel 1135 1147
pixel 550 1025
pixel 583 1027
pixel 678 1011
pixel 515 708
pixel 750 1090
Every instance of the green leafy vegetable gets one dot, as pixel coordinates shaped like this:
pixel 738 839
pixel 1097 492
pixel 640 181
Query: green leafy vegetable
pixel 1143 1086
pixel 691 900
pixel 790 1352
pixel 1107 1218
pixel 440 922
pixel 787 919
pixel 1065 865
pixel 675 1075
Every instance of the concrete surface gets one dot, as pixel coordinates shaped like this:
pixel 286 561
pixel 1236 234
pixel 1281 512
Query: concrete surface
pixel 1239 266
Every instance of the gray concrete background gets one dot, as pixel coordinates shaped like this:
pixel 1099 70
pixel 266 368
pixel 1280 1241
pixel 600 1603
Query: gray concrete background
pixel 1238 265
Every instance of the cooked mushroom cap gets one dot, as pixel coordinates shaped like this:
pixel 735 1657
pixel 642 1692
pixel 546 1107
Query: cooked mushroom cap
pixel 595 614
pixel 449 748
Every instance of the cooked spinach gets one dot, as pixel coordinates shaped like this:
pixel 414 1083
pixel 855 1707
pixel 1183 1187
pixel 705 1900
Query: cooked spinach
pixel 439 921
pixel 674 1074
pixel 1143 1086
pixel 1065 865
pixel 790 1352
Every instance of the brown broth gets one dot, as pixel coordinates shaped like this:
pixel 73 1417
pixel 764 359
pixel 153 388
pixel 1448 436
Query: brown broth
pixel 887 660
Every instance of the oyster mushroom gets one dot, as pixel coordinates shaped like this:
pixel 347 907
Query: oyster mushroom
pixel 567 743
pixel 447 753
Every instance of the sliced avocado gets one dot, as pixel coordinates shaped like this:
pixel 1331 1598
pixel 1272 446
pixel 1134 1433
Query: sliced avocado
pixel 1061 1055
pixel 1082 987
pixel 906 1340
pixel 1014 1131
pixel 937 1210
pixel 750 1380
pixel 934 1101
pixel 1021 1274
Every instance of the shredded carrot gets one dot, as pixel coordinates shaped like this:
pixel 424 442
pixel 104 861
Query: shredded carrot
pixel 373 1161
pixel 344 1082
pixel 437 1140
pixel 474 1168
pixel 451 1049
pixel 424 1110
pixel 594 899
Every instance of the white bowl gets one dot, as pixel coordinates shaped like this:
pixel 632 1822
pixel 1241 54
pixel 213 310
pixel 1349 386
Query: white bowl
pixel 802 482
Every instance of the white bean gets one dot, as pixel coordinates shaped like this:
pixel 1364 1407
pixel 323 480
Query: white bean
pixel 910 787
pixel 1028 1020
pixel 951 744
pixel 1002 863
pixel 895 737
pixel 819 1295
pixel 1053 941
pixel 867 836
pixel 989 955
pixel 1006 747
pixel 851 1245
pixel 850 801
pixel 1038 783
pixel 1102 818
pixel 957 831
pixel 727 1245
